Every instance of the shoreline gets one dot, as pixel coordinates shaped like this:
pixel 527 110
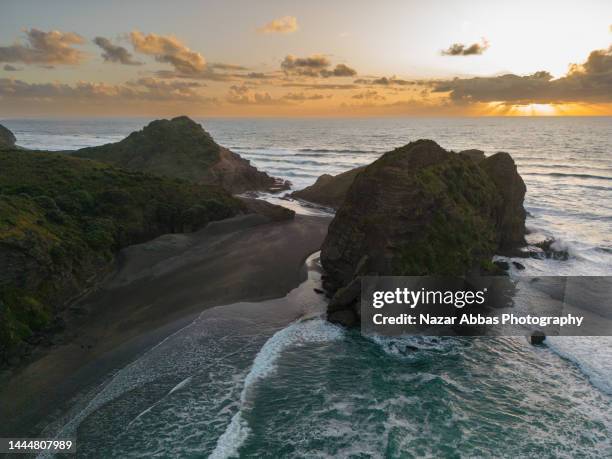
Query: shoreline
pixel 157 289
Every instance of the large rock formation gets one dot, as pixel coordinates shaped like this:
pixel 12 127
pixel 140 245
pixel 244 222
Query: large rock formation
pixel 421 210
pixel 181 148
pixel 329 190
pixel 7 139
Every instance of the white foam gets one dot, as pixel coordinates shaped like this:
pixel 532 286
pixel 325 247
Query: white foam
pixel 592 354
pixel 302 332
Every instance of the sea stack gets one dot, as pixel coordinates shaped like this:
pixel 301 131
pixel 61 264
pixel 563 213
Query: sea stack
pixel 421 210
pixel 181 148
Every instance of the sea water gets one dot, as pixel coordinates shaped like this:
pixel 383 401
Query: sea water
pixel 229 385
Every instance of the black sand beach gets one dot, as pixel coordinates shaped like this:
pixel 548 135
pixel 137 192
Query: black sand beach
pixel 158 287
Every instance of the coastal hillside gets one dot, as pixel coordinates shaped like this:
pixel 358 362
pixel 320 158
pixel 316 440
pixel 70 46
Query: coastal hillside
pixel 181 148
pixel 421 210
pixel 7 138
pixel 62 219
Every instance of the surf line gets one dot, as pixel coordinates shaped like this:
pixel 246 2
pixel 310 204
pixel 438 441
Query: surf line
pixel 304 331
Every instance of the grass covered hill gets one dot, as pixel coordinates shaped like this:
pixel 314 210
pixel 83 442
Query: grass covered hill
pixel 181 148
pixel 61 220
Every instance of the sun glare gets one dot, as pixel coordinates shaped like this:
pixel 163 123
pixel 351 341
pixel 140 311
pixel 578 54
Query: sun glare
pixel 533 110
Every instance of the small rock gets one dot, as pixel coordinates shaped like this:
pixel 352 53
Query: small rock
pixel 502 265
pixel 518 265
pixel 537 337
pixel 319 291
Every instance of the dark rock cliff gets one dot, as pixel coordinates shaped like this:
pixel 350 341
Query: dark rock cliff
pixel 329 190
pixel 421 210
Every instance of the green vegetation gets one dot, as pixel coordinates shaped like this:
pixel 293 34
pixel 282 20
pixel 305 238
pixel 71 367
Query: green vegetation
pixel 461 233
pixel 62 219
pixel 175 148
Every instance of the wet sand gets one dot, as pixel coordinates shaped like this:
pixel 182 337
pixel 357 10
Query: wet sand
pixel 159 287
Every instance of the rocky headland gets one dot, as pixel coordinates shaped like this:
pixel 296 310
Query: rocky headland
pixel 181 148
pixel 63 219
pixel 421 210
pixel 7 138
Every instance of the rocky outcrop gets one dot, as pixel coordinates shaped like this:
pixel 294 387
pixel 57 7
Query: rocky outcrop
pixel 421 210
pixel 269 211
pixel 7 138
pixel 181 148
pixel 510 217
pixel 329 190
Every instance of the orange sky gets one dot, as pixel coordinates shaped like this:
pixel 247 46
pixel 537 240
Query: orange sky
pixel 395 58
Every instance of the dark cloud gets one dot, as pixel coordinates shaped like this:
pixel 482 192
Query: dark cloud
pixel 307 66
pixel 115 53
pixel 587 82
pixel 316 65
pixel 341 70
pixel 221 66
pixel 385 81
pixel 369 95
pixel 146 89
pixel 10 68
pixel 459 49
pixel 320 86
pixel 258 76
pixel 301 97
pixel 50 48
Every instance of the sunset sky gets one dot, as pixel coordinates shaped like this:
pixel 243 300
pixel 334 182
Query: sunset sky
pixel 297 58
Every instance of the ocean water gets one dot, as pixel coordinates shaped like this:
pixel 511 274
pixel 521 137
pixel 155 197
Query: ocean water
pixel 247 380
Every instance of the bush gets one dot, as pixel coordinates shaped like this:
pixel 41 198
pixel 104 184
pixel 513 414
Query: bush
pixel 76 202
pixel 46 202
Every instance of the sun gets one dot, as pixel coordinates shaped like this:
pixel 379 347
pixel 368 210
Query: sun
pixel 533 110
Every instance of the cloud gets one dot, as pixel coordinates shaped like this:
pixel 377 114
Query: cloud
pixel 369 95
pixel 50 48
pixel 144 89
pixel 590 81
pixel 221 66
pixel 186 63
pixel 301 97
pixel 459 49
pixel 115 53
pixel 385 81
pixel 316 65
pixel 320 86
pixel 309 66
pixel 171 50
pixel 341 70
pixel 286 24
pixel 10 68
pixel 258 76
pixel 244 95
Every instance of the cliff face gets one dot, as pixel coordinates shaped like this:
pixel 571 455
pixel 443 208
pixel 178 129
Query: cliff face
pixel 421 210
pixel 7 139
pixel 329 190
pixel 181 148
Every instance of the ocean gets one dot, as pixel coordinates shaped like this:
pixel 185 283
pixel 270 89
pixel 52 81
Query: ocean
pixel 241 380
